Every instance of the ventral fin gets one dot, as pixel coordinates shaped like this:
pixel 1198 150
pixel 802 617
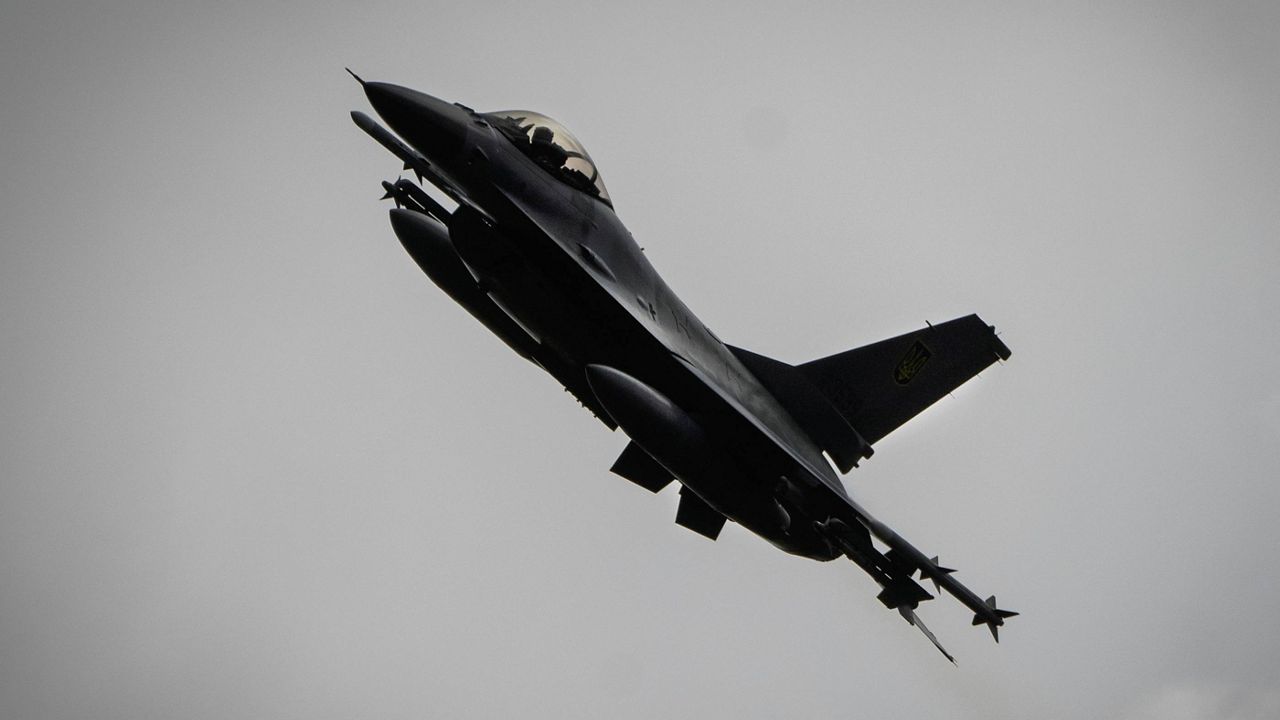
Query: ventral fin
pixel 695 514
pixel 640 468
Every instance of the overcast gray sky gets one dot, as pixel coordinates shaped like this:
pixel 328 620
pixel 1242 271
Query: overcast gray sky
pixel 253 464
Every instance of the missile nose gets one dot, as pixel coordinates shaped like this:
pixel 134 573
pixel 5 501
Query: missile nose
pixel 436 128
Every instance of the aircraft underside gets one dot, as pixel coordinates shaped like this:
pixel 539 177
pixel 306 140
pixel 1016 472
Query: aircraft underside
pixel 535 252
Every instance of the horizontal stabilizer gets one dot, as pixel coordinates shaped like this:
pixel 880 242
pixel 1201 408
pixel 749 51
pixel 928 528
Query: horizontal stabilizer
pixel 695 514
pixel 878 387
pixel 640 468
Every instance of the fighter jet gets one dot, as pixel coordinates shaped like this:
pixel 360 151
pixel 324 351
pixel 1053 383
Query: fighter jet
pixel 535 251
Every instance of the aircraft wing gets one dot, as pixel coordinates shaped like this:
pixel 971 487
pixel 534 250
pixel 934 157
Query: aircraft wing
pixel 851 526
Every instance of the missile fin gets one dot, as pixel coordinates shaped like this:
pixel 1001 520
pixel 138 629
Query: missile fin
pixel 993 618
pixel 936 572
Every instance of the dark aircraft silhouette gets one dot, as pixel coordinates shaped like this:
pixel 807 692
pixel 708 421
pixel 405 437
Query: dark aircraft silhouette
pixel 536 253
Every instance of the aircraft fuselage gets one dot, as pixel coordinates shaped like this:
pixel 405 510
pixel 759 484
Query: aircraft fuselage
pixel 535 252
pixel 561 264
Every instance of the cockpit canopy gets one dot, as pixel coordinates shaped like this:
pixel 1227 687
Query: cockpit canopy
pixel 550 145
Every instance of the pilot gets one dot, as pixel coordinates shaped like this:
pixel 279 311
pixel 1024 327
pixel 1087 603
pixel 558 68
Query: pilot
pixel 545 151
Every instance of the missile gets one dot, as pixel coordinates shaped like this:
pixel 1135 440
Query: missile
pixel 405 194
pixel 396 195
pixel 907 556
pixel 934 572
pixel 412 158
pixel 993 618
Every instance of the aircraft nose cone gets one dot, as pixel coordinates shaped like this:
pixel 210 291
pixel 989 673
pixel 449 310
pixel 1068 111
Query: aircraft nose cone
pixel 436 128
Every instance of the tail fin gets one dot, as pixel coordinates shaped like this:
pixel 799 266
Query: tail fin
pixel 851 400
pixel 880 386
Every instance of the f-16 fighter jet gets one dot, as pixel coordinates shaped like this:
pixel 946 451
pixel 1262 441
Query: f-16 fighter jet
pixel 535 251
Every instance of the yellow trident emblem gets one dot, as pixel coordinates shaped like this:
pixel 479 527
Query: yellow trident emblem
pixel 911 363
